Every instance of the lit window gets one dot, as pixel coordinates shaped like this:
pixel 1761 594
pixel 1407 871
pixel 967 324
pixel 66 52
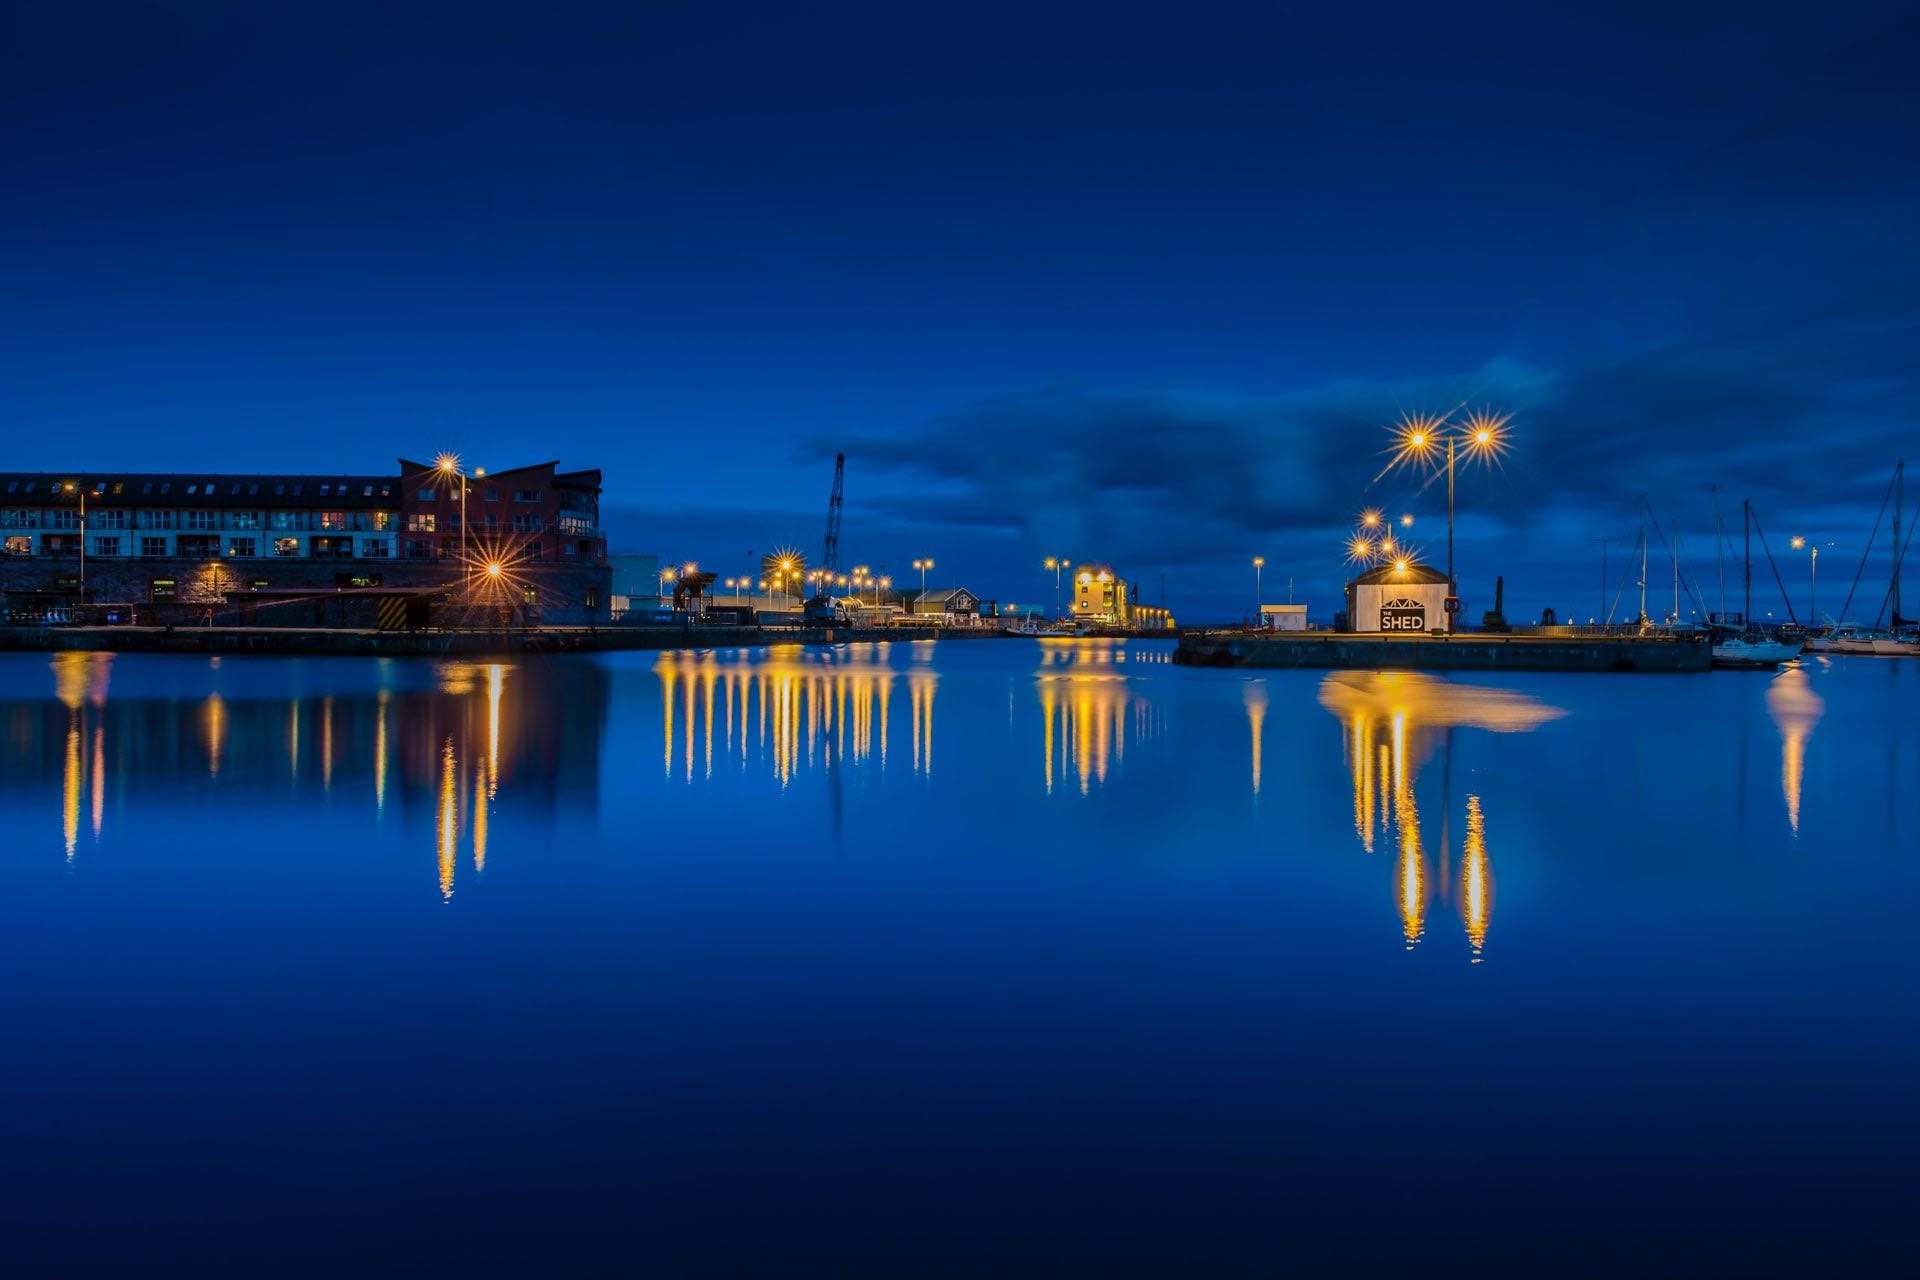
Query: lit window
pixel 20 544
pixel 193 488
pixel 119 487
pixel 286 546
pixel 366 491
pixel 333 519
pixel 243 547
pixel 420 522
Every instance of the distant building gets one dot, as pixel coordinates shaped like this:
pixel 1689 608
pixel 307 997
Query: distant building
pixel 1283 617
pixel 950 606
pixel 271 549
pixel 1102 598
pixel 1398 597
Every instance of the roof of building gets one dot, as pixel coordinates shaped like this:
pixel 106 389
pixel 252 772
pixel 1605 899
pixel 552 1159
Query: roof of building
pixel 940 597
pixel 1412 574
pixel 203 489
pixel 248 490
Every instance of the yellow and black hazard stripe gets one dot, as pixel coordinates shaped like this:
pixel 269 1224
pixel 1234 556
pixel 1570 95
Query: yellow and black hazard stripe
pixel 392 614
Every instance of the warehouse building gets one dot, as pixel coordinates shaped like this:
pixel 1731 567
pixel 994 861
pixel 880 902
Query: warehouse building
pixel 258 549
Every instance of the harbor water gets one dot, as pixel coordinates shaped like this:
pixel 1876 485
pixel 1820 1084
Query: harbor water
pixel 914 958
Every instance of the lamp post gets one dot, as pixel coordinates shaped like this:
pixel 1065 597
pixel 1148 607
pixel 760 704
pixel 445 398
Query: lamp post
pixel 448 464
pixel 1259 563
pixel 1059 565
pixel 81 488
pixel 923 566
pixel 1418 437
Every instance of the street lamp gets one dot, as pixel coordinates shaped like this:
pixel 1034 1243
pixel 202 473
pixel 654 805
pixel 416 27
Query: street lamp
pixel 1482 435
pixel 448 464
pixel 1059 565
pixel 1813 576
pixel 1259 563
pixel 923 566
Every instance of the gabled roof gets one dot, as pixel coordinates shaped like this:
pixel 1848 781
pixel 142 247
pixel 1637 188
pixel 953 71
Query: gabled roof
pixel 1413 574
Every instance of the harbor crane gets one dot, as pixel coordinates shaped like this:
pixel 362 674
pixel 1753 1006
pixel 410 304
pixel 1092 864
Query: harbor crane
pixel 820 607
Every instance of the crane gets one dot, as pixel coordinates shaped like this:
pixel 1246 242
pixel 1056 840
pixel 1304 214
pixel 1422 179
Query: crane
pixel 820 608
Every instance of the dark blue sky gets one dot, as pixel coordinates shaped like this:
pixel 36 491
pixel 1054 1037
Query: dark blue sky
pixel 1142 284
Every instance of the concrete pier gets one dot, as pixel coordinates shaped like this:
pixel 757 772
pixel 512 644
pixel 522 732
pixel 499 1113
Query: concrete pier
pixel 428 643
pixel 1468 652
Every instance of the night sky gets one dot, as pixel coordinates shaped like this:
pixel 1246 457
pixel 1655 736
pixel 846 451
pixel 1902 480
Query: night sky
pixel 1139 284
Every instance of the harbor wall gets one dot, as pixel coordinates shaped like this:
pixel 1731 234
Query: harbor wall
pixel 1445 653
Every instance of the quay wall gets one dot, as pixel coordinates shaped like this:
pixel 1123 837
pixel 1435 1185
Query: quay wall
pixel 1469 652
pixel 371 643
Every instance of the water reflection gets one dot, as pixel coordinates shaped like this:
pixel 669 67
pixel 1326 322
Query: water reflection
pixel 454 735
pixel 790 707
pixel 1795 709
pixel 1392 723
pixel 1086 719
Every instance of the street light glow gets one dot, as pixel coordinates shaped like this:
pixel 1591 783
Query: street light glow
pixel 495 568
pixel 1797 542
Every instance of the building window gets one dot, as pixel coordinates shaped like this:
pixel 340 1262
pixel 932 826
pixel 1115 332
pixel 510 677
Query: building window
pixel 419 549
pixel 246 548
pixel 593 597
pixel 427 495
pixel 60 544
pixel 288 520
pixel 332 519
pixel 376 548
pixel 156 519
pixel 420 522
pixel 199 544
pixel 203 520
pixel 193 488
pixel 383 521
pixel 243 519
pixel 326 490
pixel 153 546
pixel 526 495
pixel 286 546
pixel 64 519
pixel 492 495
pixel 107 519
pixel 566 549
pixel 333 548
pixel 106 546
pixel 526 524
pixel 19 544
pixel 530 595
pixel 20 518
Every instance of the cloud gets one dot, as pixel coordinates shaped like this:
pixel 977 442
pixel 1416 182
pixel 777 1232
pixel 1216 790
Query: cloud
pixel 1806 418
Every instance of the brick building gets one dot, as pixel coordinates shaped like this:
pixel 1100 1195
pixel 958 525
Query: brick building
pixel 293 549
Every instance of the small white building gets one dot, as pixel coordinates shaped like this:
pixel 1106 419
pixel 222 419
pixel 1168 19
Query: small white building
pixel 1283 617
pixel 1398 597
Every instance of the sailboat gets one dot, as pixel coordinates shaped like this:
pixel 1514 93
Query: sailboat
pixel 1902 639
pixel 1749 648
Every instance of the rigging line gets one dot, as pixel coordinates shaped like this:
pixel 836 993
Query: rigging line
pixel 1899 555
pixel 1684 580
pixel 1787 599
pixel 1625 574
pixel 1867 550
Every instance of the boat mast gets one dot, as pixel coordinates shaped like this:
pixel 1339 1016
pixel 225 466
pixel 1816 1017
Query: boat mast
pixel 1675 547
pixel 1720 550
pixel 1746 533
pixel 1643 562
pixel 1899 500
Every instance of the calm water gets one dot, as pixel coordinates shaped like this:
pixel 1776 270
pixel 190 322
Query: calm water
pixel 1005 956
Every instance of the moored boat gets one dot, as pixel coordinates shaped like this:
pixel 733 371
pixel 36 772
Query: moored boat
pixel 1752 652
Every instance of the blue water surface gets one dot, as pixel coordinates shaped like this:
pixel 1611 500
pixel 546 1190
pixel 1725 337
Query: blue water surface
pixel 982 957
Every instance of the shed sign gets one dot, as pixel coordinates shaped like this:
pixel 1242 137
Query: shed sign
pixel 1403 615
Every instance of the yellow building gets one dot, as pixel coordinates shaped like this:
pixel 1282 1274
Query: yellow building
pixel 1102 598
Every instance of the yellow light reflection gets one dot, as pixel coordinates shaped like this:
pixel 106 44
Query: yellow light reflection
pixel 1254 695
pixel 1392 722
pixel 1795 709
pixel 213 727
pixel 1476 879
pixel 447 820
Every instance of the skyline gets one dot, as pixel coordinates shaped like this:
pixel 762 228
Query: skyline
pixel 1123 293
